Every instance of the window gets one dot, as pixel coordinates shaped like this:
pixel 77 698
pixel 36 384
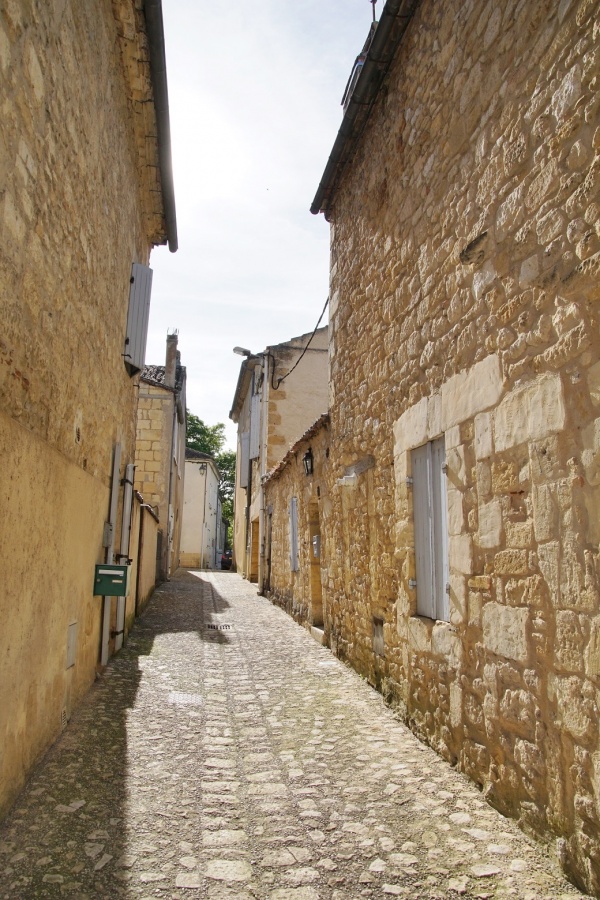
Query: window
pixel 431 533
pixel 244 448
pixel 137 318
pixel 254 449
pixel 294 562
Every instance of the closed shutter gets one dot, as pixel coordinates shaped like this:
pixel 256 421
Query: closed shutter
pixel 245 445
pixel 137 318
pixel 431 535
pixel 294 563
pixel 255 426
pixel 440 529
pixel 421 473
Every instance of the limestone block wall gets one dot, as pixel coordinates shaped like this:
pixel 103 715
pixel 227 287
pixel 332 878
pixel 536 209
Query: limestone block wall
pixel 155 463
pixel 300 592
pixel 73 218
pixel 464 262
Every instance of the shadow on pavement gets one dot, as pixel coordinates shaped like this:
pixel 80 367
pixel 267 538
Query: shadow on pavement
pixel 68 829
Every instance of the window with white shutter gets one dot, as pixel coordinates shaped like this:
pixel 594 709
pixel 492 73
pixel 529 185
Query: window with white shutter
pixel 431 530
pixel 244 447
pixel 294 561
pixel 255 426
pixel 137 318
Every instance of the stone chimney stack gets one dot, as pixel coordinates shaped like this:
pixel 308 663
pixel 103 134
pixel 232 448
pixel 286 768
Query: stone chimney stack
pixel 171 361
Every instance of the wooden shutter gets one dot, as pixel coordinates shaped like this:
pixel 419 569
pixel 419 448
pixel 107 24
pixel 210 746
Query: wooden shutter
pixel 440 529
pixel 294 564
pixel 255 426
pixel 431 530
pixel 137 318
pixel 245 446
pixel 421 473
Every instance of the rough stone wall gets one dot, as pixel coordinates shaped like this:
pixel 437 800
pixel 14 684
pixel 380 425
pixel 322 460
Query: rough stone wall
pixel 157 462
pixel 301 398
pixel 294 590
pixel 464 286
pixel 73 218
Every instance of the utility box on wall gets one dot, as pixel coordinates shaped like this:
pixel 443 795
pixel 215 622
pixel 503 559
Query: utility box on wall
pixel 111 581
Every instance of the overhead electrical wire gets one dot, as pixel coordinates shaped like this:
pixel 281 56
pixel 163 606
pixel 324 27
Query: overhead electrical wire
pixel 279 380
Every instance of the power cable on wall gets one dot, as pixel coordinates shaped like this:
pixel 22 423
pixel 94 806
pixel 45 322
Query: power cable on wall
pixel 279 380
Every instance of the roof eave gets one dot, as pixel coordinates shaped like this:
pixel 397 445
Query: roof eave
pixel 158 69
pixel 394 21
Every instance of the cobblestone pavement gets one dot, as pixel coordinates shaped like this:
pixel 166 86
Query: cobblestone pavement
pixel 224 753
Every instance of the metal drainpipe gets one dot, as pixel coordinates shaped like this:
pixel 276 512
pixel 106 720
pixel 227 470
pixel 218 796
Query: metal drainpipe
pixel 263 469
pixel 158 72
pixel 110 551
pixel 124 554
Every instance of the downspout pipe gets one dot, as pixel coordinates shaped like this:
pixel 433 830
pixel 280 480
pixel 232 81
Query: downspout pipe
pixel 158 70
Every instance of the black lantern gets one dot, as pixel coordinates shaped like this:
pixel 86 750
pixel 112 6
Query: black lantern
pixel 307 462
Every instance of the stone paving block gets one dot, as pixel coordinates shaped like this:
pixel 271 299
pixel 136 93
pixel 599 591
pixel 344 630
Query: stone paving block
pixel 251 764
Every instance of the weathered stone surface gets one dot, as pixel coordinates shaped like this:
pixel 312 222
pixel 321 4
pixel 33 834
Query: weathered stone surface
pixel 490 524
pixel 390 810
pixel 530 412
pixel 505 631
pixel 473 391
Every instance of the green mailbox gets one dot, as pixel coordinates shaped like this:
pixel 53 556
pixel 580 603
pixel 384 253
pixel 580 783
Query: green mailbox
pixel 111 581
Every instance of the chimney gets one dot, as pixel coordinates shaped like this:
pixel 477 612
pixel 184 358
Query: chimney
pixel 171 361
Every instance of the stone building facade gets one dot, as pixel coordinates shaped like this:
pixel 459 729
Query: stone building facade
pixel 85 192
pixel 279 394
pixel 296 551
pixel 464 200
pixel 160 451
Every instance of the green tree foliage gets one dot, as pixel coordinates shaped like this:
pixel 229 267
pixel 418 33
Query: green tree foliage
pixel 210 439
pixel 206 438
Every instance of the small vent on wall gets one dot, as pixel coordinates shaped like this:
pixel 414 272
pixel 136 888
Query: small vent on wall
pixel 63 719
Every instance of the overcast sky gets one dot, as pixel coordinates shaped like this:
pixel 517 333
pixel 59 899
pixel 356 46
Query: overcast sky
pixel 254 97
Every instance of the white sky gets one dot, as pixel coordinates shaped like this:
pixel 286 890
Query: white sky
pixel 254 97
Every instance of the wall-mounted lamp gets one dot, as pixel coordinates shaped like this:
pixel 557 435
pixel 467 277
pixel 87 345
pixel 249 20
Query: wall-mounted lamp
pixel 241 351
pixel 307 462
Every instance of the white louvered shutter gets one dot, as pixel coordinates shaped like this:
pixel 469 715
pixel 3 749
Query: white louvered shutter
pixel 255 426
pixel 245 445
pixel 431 530
pixel 137 318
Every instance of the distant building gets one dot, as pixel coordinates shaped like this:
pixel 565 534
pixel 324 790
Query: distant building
pixel 280 392
pixel 160 450
pixel 201 534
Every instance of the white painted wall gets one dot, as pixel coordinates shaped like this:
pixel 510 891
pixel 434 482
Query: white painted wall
pixel 199 533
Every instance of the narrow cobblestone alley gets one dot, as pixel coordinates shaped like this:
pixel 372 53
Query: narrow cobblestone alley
pixel 224 753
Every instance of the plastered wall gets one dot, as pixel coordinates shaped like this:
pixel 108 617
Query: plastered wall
pixel 74 215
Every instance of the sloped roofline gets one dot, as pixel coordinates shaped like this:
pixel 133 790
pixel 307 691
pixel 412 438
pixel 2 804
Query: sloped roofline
pixel 395 18
pixel 158 70
pixel 322 422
